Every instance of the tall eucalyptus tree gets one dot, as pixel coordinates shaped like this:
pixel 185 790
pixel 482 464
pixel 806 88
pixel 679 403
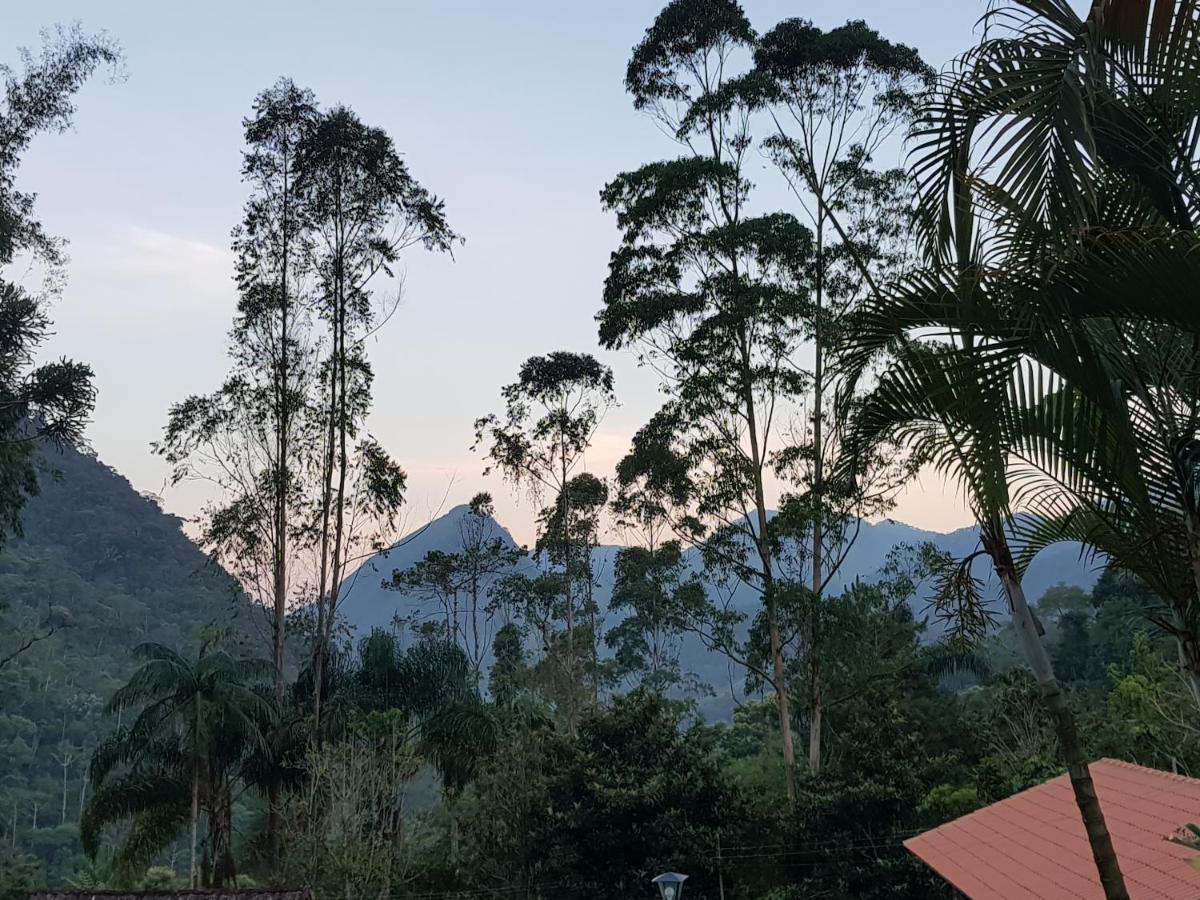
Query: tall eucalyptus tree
pixel 365 209
pixel 552 412
pixel 710 292
pixel 835 100
pixel 253 438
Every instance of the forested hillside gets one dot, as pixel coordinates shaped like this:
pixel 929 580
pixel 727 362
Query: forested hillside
pixel 106 569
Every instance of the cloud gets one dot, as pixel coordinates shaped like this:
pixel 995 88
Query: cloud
pixel 140 250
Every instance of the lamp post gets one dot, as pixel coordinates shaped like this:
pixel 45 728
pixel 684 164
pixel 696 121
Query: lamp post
pixel 670 885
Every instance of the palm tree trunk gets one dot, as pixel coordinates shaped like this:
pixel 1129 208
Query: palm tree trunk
pixel 1086 799
pixel 273 827
pixel 1189 654
pixel 1187 639
pixel 195 823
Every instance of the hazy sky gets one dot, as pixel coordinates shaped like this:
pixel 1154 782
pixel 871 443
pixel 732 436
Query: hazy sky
pixel 513 112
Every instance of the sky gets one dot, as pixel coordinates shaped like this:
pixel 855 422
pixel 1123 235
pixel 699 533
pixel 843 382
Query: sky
pixel 514 113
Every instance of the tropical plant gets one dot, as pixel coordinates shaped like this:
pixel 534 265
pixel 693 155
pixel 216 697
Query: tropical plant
pixel 1057 197
pixel 1058 155
pixel 198 719
pixel 389 711
pixel 949 404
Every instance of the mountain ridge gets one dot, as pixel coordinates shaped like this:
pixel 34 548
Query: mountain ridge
pixel 1064 562
pixel 368 605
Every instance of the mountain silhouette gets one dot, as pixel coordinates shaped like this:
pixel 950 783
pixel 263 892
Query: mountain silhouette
pixel 366 604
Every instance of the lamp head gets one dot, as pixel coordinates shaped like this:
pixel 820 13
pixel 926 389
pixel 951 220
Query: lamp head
pixel 670 885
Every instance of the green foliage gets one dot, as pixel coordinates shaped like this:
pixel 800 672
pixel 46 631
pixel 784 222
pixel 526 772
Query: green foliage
pixel 863 808
pixel 552 412
pixel 391 711
pixel 159 878
pixel 19 874
pixel 947 801
pixel 654 590
pixel 39 401
pixel 1148 715
pixel 197 721
pixel 123 573
pixel 634 795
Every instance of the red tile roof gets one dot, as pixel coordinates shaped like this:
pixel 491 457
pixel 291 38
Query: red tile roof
pixel 1033 845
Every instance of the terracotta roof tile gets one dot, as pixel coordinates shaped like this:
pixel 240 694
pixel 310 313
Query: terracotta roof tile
pixel 1032 845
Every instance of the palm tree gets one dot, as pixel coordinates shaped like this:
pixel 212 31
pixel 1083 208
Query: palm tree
pixel 962 329
pixel 197 718
pixel 1124 476
pixel 425 698
pixel 1058 196
pixel 274 765
pixel 1061 154
pixel 434 685
pixel 951 405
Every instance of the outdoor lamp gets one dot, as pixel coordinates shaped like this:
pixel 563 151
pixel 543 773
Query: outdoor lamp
pixel 670 885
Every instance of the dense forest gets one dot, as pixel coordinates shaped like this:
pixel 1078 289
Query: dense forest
pixel 1005 307
pixel 98 570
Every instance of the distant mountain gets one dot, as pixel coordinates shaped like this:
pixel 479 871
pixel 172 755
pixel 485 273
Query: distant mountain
pixel 366 604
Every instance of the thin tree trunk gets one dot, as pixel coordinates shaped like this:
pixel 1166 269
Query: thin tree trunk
pixel 273 805
pixel 1103 854
pixel 63 818
pixel 1186 638
pixel 568 578
pixel 323 580
pixel 768 584
pixel 226 871
pixel 282 452
pixel 324 600
pixel 818 553
pixel 1188 649
pixel 339 534
pixel 591 606
pixel 283 427
pixel 83 786
pixel 193 881
pixel 781 696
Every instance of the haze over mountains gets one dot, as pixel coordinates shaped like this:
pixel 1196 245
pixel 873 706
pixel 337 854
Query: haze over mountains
pixel 118 570
pixel 366 604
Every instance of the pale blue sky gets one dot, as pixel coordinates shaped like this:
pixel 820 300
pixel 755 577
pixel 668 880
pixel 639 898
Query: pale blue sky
pixel 514 112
